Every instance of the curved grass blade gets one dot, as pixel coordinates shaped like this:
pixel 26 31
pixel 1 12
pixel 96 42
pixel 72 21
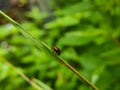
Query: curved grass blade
pixel 41 84
pixel 33 84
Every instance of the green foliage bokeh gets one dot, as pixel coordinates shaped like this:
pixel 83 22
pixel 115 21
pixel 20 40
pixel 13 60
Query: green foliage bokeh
pixel 88 34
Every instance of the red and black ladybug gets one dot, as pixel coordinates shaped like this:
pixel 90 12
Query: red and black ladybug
pixel 56 49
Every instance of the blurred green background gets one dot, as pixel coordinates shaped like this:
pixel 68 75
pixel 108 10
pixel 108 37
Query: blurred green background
pixel 86 31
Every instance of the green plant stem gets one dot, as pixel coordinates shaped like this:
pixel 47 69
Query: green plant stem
pixel 78 74
pixel 20 73
pixel 41 44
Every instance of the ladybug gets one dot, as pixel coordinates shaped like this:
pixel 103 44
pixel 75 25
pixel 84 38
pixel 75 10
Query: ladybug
pixel 56 49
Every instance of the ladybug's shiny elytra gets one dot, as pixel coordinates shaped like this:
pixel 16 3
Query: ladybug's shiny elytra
pixel 57 50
